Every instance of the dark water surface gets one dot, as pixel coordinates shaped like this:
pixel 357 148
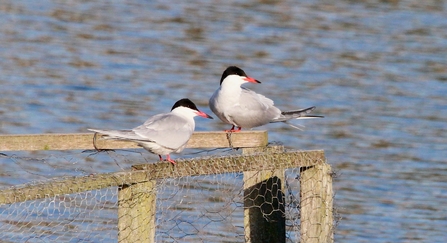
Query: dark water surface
pixel 376 69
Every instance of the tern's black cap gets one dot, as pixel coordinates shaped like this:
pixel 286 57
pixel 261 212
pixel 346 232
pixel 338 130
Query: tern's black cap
pixel 185 102
pixel 232 70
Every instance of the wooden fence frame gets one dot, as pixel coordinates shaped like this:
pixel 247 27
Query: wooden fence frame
pixel 136 194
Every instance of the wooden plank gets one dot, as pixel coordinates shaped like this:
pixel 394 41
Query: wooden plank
pixel 136 212
pixel 316 204
pixel 264 211
pixel 146 172
pixel 32 142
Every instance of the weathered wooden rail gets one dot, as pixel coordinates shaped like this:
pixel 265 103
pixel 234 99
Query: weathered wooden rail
pixel 262 167
pixel 73 141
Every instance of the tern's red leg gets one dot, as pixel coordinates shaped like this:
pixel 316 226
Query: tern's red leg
pixel 161 159
pixel 168 158
pixel 233 130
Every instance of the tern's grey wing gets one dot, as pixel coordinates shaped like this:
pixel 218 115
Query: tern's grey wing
pixel 168 130
pixel 254 109
pixel 253 100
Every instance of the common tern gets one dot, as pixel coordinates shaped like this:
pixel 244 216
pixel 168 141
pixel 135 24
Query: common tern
pixel 244 108
pixel 164 133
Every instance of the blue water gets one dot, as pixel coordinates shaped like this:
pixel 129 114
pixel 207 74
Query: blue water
pixel 376 70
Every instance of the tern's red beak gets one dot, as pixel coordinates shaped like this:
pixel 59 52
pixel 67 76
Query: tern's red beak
pixel 252 80
pixel 203 114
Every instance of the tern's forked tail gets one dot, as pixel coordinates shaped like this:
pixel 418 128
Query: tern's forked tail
pixel 297 114
pixel 118 134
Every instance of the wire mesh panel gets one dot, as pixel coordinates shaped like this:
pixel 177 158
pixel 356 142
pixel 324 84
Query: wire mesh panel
pixel 160 202
pixel 82 217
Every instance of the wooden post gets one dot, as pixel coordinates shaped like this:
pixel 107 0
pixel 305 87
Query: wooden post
pixel 316 204
pixel 136 212
pixel 264 215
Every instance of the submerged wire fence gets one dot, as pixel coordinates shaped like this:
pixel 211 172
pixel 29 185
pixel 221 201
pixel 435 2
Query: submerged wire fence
pixel 231 198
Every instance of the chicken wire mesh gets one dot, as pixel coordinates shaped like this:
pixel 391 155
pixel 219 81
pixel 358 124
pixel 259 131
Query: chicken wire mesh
pixel 199 208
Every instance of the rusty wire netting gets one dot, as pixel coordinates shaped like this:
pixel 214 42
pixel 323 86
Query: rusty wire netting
pixel 215 204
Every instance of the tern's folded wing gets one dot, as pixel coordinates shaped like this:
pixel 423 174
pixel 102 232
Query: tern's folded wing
pixel 166 129
pixel 257 106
